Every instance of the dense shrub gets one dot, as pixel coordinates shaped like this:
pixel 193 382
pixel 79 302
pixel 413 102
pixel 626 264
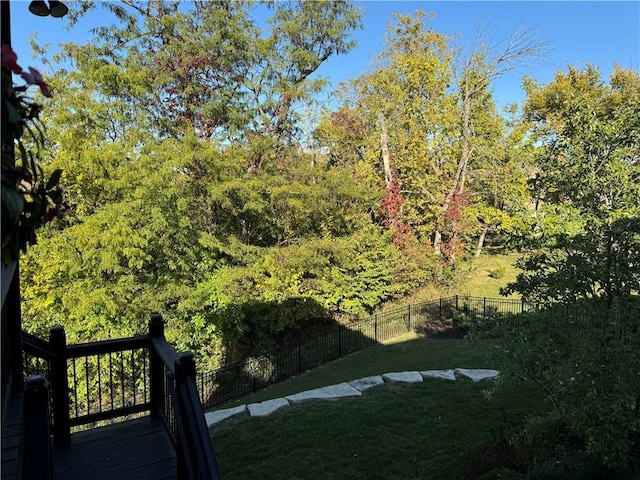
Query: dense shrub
pixel 546 448
pixel 586 359
pixel 498 272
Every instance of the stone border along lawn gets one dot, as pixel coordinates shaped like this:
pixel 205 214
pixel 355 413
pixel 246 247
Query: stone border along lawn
pixel 348 389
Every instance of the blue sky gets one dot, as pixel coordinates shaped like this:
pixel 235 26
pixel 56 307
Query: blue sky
pixel 601 33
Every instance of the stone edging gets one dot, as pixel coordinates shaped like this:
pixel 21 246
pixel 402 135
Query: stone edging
pixel 348 389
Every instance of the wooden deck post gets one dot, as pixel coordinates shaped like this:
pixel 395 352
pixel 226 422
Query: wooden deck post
pixel 185 368
pixel 12 369
pixel 156 330
pixel 59 386
pixel 37 456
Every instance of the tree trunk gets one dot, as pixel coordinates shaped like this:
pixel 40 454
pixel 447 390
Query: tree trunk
pixel 461 173
pixel 437 243
pixel 386 155
pixel 481 241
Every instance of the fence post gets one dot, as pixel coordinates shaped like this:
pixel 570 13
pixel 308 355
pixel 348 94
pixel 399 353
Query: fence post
pixel 299 355
pixel 339 341
pixel 37 456
pixel 522 308
pixel 457 308
pixel 156 330
pixel 484 307
pixel 59 385
pixel 375 328
pixel 440 317
pixel 409 321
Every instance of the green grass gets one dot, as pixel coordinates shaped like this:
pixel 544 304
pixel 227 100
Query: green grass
pixel 479 282
pixel 395 431
pixel 474 280
pixel 409 352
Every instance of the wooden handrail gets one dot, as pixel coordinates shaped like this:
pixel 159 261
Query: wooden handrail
pixel 106 346
pixel 36 347
pixel 164 352
pixel 196 457
pixel 174 392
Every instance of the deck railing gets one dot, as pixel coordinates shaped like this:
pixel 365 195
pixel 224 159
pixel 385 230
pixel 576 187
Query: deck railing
pixel 37 458
pixel 175 399
pixel 90 382
pixel 111 379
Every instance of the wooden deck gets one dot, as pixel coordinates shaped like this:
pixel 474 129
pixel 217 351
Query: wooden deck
pixel 135 449
pixel 11 431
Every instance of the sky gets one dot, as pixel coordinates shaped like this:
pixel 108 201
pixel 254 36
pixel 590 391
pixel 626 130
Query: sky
pixel 577 33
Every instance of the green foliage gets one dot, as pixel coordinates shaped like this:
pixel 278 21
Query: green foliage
pixel 498 272
pixel 29 198
pixel 587 362
pixel 460 168
pixel 583 348
pixel 543 448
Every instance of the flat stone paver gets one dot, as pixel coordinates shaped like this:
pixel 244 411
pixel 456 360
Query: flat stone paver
pixel 326 393
pixel 407 377
pixel 219 415
pixel 365 383
pixel 444 374
pixel 267 407
pixel 477 374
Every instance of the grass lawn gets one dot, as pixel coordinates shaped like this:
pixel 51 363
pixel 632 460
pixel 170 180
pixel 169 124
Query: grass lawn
pixel 479 282
pixel 475 280
pixel 408 352
pixel 395 431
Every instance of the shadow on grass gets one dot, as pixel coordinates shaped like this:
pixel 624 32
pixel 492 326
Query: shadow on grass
pixel 395 431
pixel 405 353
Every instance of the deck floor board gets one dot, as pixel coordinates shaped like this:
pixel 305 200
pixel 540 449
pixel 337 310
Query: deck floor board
pixel 135 449
pixel 11 436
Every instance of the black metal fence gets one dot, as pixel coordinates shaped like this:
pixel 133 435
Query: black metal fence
pixel 238 379
pixel 113 377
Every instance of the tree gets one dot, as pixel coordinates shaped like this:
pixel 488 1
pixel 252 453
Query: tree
pixel 583 350
pixel 480 129
pixel 343 134
pixel 185 67
pixel 440 132
pixel 304 35
pixel 162 213
pixel 500 201
pixel 208 68
pixel 588 180
pixel 407 100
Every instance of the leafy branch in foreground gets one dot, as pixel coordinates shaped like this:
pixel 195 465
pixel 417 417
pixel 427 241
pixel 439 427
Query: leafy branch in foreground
pixel 29 200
